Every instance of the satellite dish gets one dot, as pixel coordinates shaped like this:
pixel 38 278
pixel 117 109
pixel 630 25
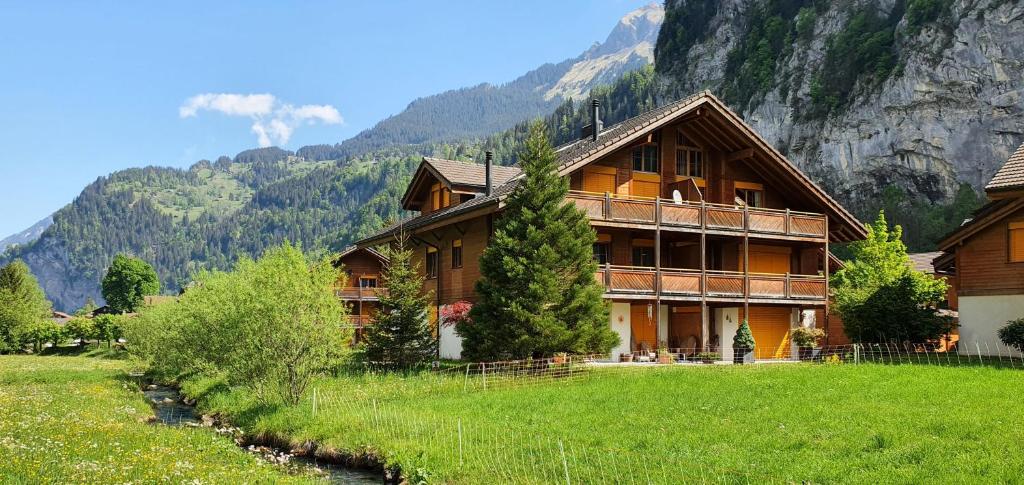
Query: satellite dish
pixel 677 197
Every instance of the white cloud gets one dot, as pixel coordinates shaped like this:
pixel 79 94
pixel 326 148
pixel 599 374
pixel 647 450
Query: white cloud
pixel 273 122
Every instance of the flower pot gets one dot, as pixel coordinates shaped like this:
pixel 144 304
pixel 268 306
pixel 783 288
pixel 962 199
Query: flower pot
pixel 806 353
pixel 626 357
pixel 742 355
pixel 560 358
pixel 665 358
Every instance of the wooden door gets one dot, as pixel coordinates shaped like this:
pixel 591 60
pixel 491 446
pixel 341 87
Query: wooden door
pixel 645 332
pixel 599 179
pixel 769 259
pixel 770 327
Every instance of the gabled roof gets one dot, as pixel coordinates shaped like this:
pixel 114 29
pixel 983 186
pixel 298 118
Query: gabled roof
pixel 459 176
pixel 1011 175
pixel 983 217
pixel 699 107
pixel 353 249
pixel 923 261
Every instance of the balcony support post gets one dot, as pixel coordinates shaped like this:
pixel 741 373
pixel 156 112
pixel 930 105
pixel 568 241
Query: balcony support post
pixel 746 263
pixel 657 272
pixel 704 330
pixel 827 257
pixel 607 206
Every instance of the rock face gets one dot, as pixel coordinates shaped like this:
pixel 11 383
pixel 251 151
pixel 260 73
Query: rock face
pixel 26 236
pixel 63 284
pixel 952 111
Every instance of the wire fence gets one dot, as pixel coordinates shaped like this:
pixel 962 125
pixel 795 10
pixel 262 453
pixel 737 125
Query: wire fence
pixel 442 442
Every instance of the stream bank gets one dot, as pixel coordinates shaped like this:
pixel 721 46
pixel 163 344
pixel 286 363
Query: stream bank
pixel 171 409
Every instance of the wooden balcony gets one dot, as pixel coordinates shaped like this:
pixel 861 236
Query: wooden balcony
pixel 631 281
pixel 359 321
pixel 697 216
pixel 354 293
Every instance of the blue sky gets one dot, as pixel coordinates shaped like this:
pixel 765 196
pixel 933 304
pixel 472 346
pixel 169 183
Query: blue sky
pixel 92 87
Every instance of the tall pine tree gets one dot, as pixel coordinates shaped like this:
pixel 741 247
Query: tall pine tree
pixel 400 335
pixel 537 293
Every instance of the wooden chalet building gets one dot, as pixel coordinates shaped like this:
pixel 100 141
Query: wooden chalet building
pixel 984 258
pixel 361 286
pixel 700 224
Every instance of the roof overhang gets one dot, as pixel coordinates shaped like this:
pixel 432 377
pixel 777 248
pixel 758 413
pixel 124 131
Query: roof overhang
pixel 989 214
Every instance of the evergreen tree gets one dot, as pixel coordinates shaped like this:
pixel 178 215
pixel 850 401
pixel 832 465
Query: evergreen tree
pixel 23 305
pixel 880 297
pixel 742 342
pixel 127 282
pixel 537 293
pixel 400 335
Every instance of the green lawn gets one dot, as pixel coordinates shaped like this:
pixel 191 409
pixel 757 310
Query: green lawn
pixel 770 423
pixel 78 420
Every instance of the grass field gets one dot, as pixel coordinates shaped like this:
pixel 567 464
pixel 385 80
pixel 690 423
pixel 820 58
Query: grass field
pixel 78 420
pixel 771 423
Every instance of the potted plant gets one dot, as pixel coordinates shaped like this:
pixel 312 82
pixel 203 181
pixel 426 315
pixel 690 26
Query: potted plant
pixel 709 357
pixel 664 356
pixel 743 344
pixel 806 339
pixel 626 357
pixel 561 357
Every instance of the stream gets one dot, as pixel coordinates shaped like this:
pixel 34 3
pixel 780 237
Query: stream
pixel 171 410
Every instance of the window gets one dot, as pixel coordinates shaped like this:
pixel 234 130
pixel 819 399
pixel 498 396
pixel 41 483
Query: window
pixel 645 158
pixel 1017 242
pixel 643 256
pixel 457 253
pixel 367 281
pixel 431 263
pixel 440 197
pixel 602 252
pixel 689 158
pixel 750 197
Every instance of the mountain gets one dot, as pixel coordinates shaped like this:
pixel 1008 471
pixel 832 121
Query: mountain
pixel 26 236
pixel 913 96
pixel 484 109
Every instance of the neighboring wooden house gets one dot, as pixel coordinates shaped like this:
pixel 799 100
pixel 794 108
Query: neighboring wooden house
pixel 984 258
pixel 360 284
pixel 700 224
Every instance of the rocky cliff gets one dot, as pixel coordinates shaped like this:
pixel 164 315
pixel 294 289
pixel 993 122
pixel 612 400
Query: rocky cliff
pixel 920 94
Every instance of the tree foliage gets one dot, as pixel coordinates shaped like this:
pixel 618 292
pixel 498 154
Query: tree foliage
pixel 271 325
pixel 128 281
pixel 401 335
pixel 743 339
pixel 537 293
pixel 1012 334
pixel 881 298
pixel 23 306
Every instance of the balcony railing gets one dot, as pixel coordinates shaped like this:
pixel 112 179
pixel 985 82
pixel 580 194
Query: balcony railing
pixel 359 293
pixel 359 321
pixel 715 217
pixel 633 280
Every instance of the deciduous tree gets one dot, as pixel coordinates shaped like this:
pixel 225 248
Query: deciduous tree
pixel 128 281
pixel 23 305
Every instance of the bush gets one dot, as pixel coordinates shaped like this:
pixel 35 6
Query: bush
pixel 81 328
pixel 271 325
pixel 1013 334
pixel 743 338
pixel 807 337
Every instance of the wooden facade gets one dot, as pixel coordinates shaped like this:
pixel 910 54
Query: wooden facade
pixel 692 210
pixel 360 284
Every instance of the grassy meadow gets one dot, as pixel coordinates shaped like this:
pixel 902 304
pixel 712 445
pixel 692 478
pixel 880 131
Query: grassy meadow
pixel 847 423
pixel 79 420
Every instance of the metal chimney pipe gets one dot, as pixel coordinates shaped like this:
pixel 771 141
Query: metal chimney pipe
pixel 488 161
pixel 595 118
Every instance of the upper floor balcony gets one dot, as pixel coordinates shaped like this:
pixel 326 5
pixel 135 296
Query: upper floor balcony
pixel 354 293
pixel 693 284
pixel 700 216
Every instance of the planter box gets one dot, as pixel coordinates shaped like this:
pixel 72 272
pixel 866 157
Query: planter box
pixel 666 358
pixel 625 357
pixel 742 356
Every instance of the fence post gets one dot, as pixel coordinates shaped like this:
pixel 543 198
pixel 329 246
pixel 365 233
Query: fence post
pixel 483 371
pixel 465 381
pixel 460 442
pixel 856 354
pixel 314 402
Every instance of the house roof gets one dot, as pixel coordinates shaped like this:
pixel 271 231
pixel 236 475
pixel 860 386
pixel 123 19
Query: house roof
pixel 1011 175
pixel 469 173
pixel 923 261
pixel 983 217
pixel 581 152
pixel 353 249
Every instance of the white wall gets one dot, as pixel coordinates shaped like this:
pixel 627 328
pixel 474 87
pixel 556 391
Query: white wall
pixel 663 325
pixel 619 322
pixel 981 317
pixel 726 324
pixel 451 343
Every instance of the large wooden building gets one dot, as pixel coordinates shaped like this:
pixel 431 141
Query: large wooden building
pixel 700 224
pixel 359 285
pixel 985 259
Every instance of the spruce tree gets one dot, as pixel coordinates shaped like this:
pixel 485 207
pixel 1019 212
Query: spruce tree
pixel 400 335
pixel 537 292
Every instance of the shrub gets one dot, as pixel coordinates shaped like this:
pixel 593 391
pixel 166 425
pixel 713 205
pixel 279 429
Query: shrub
pixel 271 325
pixel 743 338
pixel 81 328
pixel 1013 334
pixel 807 337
